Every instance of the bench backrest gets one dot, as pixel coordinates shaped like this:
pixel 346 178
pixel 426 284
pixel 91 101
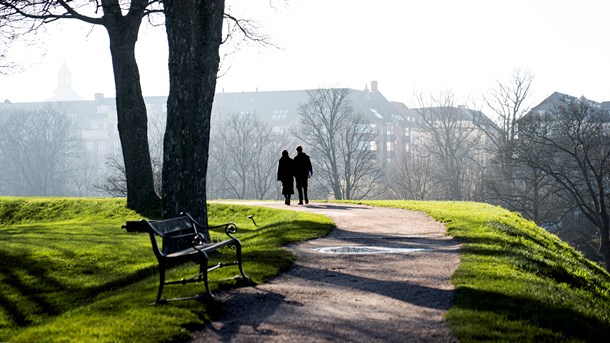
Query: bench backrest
pixel 176 233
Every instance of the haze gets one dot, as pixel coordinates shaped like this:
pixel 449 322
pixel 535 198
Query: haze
pixel 407 46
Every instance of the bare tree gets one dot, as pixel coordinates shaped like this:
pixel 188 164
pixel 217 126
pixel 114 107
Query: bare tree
pixel 508 182
pixel 156 132
pixel 509 102
pixel 194 34
pixel 114 183
pixel 572 145
pixel 413 174
pixel 38 152
pixel 243 158
pixel 340 141
pixel 5 63
pixel 454 141
pixel 85 174
pixel 266 147
pixel 122 20
pixel 236 137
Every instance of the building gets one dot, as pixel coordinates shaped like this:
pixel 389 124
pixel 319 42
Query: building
pixel 281 110
pixel 557 99
pixel 394 123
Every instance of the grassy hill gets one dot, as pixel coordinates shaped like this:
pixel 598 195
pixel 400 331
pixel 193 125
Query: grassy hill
pixel 516 282
pixel 69 273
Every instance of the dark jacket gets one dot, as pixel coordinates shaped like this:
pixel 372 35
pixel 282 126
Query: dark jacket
pixel 302 166
pixel 285 174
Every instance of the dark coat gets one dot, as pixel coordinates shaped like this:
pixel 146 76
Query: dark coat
pixel 285 174
pixel 302 166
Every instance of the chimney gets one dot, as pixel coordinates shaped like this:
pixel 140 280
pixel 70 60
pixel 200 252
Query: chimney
pixel 99 97
pixel 374 87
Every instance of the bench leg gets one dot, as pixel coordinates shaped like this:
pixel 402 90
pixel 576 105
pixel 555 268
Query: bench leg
pixel 203 273
pixel 239 261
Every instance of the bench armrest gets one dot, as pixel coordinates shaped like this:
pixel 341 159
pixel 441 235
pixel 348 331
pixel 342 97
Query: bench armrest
pixel 135 226
pixel 228 228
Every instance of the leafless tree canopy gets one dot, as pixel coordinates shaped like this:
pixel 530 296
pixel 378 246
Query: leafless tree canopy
pixel 114 183
pixel 508 182
pixel 339 141
pixel 571 144
pixel 508 101
pixel 41 154
pixel 122 20
pixel 243 158
pixel 449 136
pixel 413 175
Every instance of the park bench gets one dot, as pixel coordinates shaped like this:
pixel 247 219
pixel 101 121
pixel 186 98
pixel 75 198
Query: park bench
pixel 183 239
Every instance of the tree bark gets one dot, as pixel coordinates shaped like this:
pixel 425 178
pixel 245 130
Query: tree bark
pixel 194 32
pixel 131 109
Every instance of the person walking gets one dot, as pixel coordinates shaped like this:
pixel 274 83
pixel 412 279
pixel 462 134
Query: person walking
pixel 302 171
pixel 285 174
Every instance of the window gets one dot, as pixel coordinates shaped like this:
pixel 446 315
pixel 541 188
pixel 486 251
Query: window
pixel 102 109
pixel 376 113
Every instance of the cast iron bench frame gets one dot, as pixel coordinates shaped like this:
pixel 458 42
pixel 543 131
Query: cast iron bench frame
pixel 184 239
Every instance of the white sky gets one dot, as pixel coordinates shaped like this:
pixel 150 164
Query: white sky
pixel 407 46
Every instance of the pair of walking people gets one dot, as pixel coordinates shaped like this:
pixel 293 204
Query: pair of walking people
pixel 290 170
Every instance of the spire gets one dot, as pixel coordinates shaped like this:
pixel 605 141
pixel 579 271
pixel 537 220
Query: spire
pixel 64 90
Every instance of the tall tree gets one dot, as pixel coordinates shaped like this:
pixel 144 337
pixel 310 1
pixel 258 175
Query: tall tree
pixel 571 144
pixel 509 102
pixel 340 143
pixel 194 34
pixel 509 183
pixel 122 20
pixel 412 174
pixel 243 157
pixel 114 183
pixel 39 150
pixel 453 140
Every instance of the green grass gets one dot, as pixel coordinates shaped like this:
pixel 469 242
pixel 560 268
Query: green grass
pixel 69 273
pixel 516 282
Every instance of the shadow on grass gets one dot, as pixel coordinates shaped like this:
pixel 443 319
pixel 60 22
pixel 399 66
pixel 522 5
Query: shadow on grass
pixel 281 234
pixel 538 260
pixel 29 291
pixel 571 324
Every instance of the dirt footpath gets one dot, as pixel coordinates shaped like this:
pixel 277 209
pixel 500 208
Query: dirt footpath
pixel 393 285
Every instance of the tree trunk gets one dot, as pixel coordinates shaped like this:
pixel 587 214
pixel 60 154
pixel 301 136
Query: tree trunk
pixel 131 113
pixel 604 246
pixel 194 32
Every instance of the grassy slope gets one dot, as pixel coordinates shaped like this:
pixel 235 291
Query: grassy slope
pixel 516 282
pixel 68 272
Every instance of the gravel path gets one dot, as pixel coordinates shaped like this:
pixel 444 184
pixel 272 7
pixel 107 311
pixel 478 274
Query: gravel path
pixel 383 297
